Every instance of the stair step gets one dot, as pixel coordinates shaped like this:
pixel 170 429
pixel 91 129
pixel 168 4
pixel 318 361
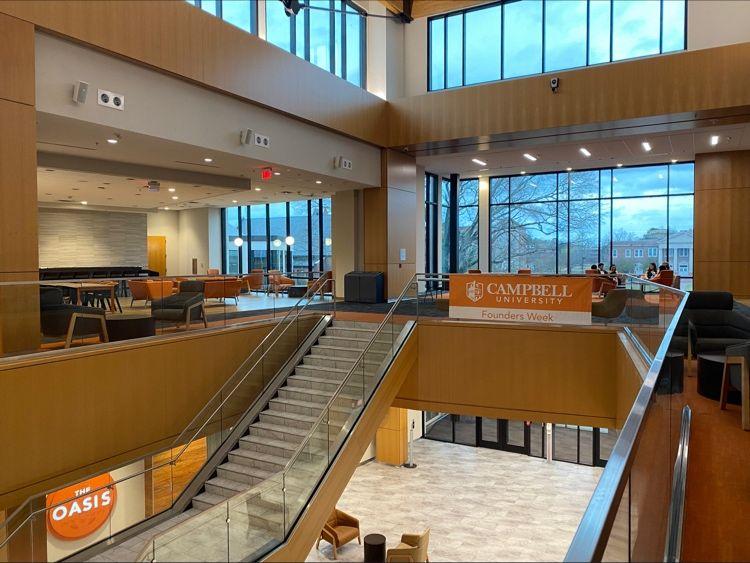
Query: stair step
pixel 244 473
pixel 225 487
pixel 381 343
pixel 206 500
pixel 307 408
pixel 301 421
pixel 351 332
pixel 371 365
pixel 351 353
pixel 277 432
pixel 355 324
pixel 268 445
pixel 354 385
pixel 314 395
pixel 261 460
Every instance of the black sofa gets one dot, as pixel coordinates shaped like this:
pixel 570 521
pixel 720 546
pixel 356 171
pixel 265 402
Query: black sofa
pixel 179 308
pixel 58 318
pixel 709 324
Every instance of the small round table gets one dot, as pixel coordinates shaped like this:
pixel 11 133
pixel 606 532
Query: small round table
pixel 374 548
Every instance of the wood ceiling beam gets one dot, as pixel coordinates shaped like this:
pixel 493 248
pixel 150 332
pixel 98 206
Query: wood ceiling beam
pixel 426 8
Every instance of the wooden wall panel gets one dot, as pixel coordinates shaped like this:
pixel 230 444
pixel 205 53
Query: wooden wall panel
pixel 549 374
pixel 73 413
pixel 392 438
pixel 17 61
pixel 183 40
pixel 722 228
pixel 682 82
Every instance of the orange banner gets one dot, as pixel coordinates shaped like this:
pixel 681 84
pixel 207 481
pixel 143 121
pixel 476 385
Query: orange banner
pixel 521 298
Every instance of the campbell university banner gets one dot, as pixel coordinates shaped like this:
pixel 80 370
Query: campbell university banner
pixel 521 298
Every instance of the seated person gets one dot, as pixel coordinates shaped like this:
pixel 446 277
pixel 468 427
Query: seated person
pixel 616 277
pixel 650 272
pixel 601 269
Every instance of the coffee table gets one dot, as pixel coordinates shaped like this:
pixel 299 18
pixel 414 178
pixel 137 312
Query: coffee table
pixel 296 290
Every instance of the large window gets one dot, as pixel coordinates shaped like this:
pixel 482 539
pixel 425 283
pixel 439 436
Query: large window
pixel 241 13
pixel 329 34
pixel 445 219
pixel 523 37
pixel 282 236
pixel 468 225
pixel 565 222
pixel 431 191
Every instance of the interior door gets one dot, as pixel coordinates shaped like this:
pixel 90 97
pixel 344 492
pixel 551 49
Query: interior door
pixel 157 254
pixel 509 435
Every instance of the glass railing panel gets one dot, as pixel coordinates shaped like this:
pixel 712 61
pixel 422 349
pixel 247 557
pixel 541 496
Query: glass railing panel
pixel 256 520
pixel 204 537
pixel 305 469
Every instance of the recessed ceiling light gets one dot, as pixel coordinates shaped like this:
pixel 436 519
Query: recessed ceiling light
pixel 166 209
pixel 277 173
pixel 479 162
pixel 318 182
pixel 646 146
pixel 112 141
pixel 714 140
pixel 175 197
pixel 234 201
pixel 483 169
pixel 257 189
pixel 674 161
pixel 523 172
pixel 171 190
pixel 84 203
pixel 568 169
pixel 619 165
pixel 585 152
pixel 208 159
pixel 530 157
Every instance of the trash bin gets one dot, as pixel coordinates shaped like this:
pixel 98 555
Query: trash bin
pixel 364 287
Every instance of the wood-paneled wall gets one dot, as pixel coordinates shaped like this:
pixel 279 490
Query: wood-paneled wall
pixel 547 374
pixel 722 222
pixel 683 82
pixel 185 41
pixel 391 438
pixel 19 321
pixel 389 216
pixel 70 414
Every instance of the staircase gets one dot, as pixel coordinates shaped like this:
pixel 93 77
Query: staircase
pixel 272 440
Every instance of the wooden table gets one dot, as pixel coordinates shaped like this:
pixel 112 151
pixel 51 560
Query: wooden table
pixel 90 287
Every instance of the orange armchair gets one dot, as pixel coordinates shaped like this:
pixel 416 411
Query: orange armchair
pixel 254 280
pixel 228 288
pixel 664 277
pixel 278 282
pixel 137 291
pixel 322 282
pixel 159 289
pixel 340 529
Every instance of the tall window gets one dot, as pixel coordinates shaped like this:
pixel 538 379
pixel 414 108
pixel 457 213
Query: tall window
pixel 265 230
pixel 565 222
pixel 240 13
pixel 445 217
pixel 468 225
pixel 329 34
pixel 430 222
pixel 509 39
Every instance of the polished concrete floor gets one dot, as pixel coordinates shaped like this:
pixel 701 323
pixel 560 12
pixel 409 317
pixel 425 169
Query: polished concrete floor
pixel 480 504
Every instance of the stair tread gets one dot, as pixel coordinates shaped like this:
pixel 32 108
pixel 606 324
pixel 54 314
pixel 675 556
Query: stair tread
pixel 246 470
pixel 327 347
pixel 260 456
pixel 332 359
pixel 278 428
pixel 270 442
pixel 325 368
pixel 230 484
pixel 210 498
pixel 313 379
pixel 308 404
pixel 292 415
pixel 317 392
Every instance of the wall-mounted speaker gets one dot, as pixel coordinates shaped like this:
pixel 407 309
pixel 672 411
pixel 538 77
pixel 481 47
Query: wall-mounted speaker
pixel 246 137
pixel 80 90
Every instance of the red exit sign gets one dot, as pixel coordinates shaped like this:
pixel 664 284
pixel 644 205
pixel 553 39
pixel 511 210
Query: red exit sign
pixel 266 173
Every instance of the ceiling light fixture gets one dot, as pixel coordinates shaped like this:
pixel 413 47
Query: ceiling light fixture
pixel 674 161
pixel 328 241
pixel 289 240
pixel 238 242
pixel 530 157
pixel 318 182
pixel 646 146
pixel 568 169
pixel 479 162
pixel 234 201
pixel 175 197
pixel 166 209
pixel 257 189
pixel 208 159
pixel 276 242
pixel 714 140
pixel 171 190
pixel 619 165
pixel 112 141
pixel 277 173
pixel 585 152
pixel 523 172
pixel 84 203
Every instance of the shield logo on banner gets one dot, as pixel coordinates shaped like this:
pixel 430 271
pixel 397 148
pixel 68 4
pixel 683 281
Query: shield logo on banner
pixel 474 291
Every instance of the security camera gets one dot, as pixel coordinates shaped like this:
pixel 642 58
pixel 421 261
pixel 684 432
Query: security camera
pixel 554 84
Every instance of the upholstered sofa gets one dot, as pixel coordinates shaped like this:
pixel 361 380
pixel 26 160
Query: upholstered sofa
pixel 180 308
pixel 226 288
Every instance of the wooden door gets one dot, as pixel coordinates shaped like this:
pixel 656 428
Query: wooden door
pixel 157 254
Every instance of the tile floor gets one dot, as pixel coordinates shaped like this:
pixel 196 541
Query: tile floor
pixel 480 504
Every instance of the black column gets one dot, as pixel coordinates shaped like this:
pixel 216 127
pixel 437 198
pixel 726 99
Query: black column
pixel 453 259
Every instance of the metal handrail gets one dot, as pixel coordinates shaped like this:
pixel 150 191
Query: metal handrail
pixel 315 289
pixel 590 538
pixel 673 544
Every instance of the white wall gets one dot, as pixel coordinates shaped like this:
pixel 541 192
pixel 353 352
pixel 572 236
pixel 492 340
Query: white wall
pixel 395 63
pixel 712 23
pixel 415 57
pixel 190 233
pixel 194 237
pixel 169 108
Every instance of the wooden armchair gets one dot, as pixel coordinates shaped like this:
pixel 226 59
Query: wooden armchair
pixel 254 280
pixel 340 529
pixel 278 282
pixel 413 547
pixel 322 282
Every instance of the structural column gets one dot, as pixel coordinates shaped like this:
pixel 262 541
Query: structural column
pixel 722 227
pixel 19 260
pixel 390 242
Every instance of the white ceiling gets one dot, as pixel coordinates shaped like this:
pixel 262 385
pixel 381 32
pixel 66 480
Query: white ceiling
pixel 75 138
pixel 556 156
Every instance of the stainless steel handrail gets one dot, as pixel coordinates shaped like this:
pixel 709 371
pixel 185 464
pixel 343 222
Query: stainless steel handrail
pixel 673 544
pixel 593 530
pixel 16 513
